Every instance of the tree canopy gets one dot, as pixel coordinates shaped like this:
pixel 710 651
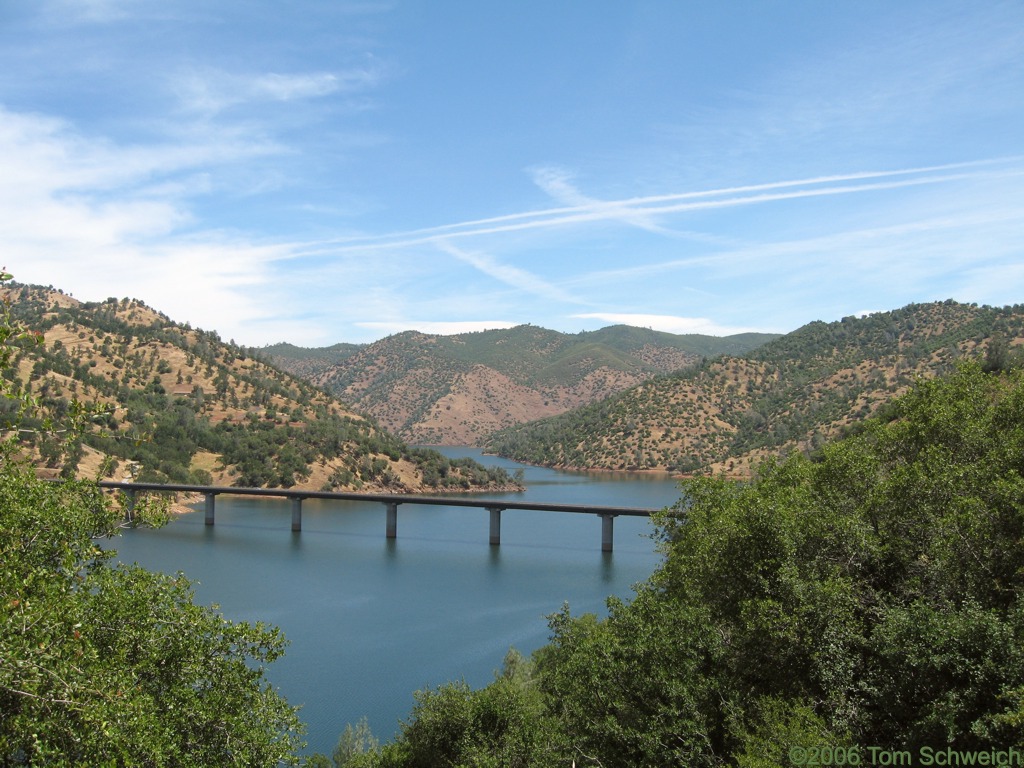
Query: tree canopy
pixel 104 664
pixel 868 596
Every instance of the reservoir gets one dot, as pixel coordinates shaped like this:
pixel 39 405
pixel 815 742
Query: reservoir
pixel 370 620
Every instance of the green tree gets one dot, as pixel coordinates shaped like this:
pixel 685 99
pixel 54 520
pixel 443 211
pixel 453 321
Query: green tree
pixel 500 726
pixel 353 742
pixel 102 664
pixel 869 597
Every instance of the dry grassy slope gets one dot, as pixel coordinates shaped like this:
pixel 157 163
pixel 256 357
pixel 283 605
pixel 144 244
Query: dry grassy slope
pixel 438 406
pixel 482 400
pixel 221 382
pixel 430 390
pixel 788 395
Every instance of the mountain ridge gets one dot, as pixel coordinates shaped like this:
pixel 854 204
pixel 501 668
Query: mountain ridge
pixel 791 393
pixel 457 389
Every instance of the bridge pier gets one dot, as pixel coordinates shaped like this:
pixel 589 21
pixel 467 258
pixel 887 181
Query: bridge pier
pixel 209 507
pixel 129 507
pixel 392 524
pixel 495 525
pixel 296 496
pixel 607 525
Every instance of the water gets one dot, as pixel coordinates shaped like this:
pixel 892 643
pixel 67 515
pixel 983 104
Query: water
pixel 371 620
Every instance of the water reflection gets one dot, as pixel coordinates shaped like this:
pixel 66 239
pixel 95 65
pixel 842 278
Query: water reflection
pixel 372 619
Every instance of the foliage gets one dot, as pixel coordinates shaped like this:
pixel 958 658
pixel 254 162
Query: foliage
pixel 500 726
pixel 788 394
pixel 112 665
pixel 181 405
pixel 353 743
pixel 870 597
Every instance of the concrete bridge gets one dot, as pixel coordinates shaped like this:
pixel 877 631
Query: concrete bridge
pixel 391 502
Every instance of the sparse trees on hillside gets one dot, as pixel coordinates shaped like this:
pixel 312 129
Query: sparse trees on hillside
pixel 113 665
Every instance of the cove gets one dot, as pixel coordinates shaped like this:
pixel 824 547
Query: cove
pixel 371 620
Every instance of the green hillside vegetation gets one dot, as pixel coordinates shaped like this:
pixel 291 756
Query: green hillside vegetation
pixel 454 389
pixel 180 405
pixel 306 362
pixel 789 394
pixel 527 353
pixel 111 665
pixel 631 338
pixel 869 598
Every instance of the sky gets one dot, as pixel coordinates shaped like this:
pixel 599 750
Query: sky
pixel 324 171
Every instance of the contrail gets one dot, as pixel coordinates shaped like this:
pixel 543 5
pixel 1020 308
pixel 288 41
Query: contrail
pixel 726 197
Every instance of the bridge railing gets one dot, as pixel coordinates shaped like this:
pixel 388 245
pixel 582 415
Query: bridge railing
pixel 391 501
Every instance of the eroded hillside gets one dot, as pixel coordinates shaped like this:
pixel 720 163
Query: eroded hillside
pixel 456 390
pixel 790 394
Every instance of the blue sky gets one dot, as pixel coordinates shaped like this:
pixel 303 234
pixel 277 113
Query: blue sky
pixel 324 171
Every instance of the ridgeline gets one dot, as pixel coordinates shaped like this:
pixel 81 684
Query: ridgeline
pixel 179 404
pixel 790 394
pixel 456 390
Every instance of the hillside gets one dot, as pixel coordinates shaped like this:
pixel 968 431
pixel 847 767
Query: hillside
pixel 789 394
pixel 305 362
pixel 178 404
pixel 456 390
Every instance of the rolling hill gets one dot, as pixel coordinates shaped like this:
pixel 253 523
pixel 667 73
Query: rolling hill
pixel 179 404
pixel 456 390
pixel 731 411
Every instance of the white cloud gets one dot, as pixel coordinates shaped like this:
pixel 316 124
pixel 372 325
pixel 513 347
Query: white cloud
pixel 94 11
pixel 208 91
pixel 99 220
pixel 509 275
pixel 556 182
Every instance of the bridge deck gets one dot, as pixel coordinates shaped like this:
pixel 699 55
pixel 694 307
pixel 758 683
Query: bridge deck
pixel 494 506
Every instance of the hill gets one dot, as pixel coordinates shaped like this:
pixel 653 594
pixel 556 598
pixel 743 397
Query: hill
pixel 789 394
pixel 455 390
pixel 306 362
pixel 179 404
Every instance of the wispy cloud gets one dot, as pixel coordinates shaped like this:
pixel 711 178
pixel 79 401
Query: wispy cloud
pixel 557 182
pixel 210 91
pixel 97 216
pixel 514 277
pixel 896 253
pixel 683 202
pixel 93 11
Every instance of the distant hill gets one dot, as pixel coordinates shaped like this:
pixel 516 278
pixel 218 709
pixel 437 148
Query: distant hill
pixel 456 390
pixel 307 363
pixel 789 394
pixel 181 405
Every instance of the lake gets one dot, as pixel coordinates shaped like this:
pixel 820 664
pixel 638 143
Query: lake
pixel 371 620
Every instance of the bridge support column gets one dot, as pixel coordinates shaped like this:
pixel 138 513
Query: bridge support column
pixel 129 507
pixel 392 527
pixel 495 525
pixel 209 507
pixel 607 525
pixel 296 513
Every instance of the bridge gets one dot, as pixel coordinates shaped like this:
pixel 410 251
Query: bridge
pixel 391 502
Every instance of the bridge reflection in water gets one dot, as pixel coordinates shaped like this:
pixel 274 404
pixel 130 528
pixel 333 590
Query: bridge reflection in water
pixel 391 501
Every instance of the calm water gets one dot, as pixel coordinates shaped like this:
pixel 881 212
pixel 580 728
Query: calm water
pixel 371 620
